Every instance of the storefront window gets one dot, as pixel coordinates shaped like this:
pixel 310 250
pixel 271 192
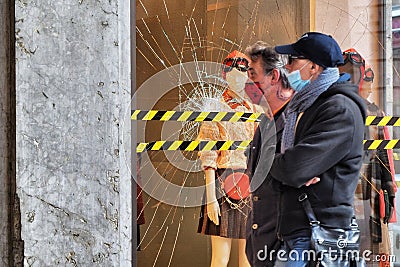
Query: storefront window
pixel 180 46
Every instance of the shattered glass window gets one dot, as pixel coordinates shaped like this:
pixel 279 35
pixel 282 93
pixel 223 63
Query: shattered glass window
pixel 180 48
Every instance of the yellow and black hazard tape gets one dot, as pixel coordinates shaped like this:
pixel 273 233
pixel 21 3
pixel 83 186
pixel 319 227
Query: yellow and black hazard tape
pixel 172 115
pixel 238 145
pixel 192 145
pixel 382 121
pixel 381 144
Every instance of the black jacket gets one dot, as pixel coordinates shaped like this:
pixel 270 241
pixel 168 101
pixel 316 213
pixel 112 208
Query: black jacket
pixel 261 236
pixel 328 144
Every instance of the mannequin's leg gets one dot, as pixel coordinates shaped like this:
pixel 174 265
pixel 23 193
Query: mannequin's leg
pixel 243 262
pixel 220 249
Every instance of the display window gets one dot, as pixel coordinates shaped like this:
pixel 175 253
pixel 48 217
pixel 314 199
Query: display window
pixel 192 70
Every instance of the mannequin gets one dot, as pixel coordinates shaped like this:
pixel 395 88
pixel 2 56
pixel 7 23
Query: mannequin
pixel 375 174
pixel 222 218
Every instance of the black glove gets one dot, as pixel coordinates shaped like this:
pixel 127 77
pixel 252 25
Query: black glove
pixel 389 194
pixel 389 206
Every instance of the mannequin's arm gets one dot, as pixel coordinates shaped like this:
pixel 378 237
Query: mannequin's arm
pixel 213 210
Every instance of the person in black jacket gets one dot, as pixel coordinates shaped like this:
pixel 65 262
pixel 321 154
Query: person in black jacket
pixel 267 71
pixel 322 144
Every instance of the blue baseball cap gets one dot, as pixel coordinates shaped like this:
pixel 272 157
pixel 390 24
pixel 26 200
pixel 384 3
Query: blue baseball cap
pixel 320 48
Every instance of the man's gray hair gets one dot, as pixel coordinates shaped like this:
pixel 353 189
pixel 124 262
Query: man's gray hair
pixel 270 59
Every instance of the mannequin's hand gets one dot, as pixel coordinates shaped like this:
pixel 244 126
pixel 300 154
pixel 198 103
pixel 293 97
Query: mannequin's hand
pixel 213 211
pixel 313 181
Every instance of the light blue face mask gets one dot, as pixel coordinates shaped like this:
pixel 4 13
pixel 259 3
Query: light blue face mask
pixel 295 80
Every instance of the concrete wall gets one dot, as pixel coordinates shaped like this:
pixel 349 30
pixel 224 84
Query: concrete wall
pixel 73 131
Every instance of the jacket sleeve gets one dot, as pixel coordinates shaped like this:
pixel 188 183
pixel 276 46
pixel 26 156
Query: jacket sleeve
pixel 323 144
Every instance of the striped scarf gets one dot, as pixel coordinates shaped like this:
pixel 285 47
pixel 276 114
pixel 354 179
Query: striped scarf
pixel 302 100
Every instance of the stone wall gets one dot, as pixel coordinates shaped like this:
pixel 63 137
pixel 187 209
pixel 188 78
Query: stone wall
pixel 72 131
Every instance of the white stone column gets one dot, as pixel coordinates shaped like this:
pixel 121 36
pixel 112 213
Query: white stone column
pixel 73 160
